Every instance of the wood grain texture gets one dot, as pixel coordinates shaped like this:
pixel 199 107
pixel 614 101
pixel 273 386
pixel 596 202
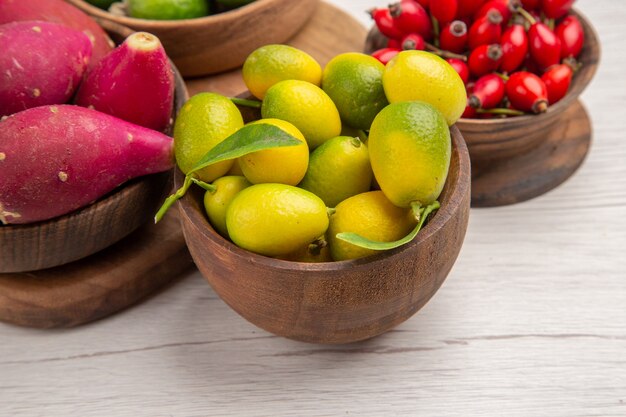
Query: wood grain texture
pixel 530 321
pixel 335 302
pixel 322 37
pixel 220 42
pixel 534 172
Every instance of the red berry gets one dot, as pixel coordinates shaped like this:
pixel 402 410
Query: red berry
pixel 385 55
pixel 570 33
pixel 488 92
pixel 461 68
pixel 469 113
pixel 503 6
pixel 424 3
pixel 394 43
pixel 443 10
pixel 486 30
pixel 544 46
pixel 410 17
pixel 413 41
pixel 531 4
pixel 385 23
pixel 453 37
pixel 527 92
pixel 514 43
pixel 467 8
pixel 557 79
pixel 485 59
pixel 555 9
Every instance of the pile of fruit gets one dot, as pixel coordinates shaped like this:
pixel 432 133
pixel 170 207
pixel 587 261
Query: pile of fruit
pixel 343 162
pixel 78 117
pixel 168 9
pixel 514 56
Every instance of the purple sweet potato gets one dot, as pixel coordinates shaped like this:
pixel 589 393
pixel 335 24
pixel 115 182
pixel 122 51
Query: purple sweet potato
pixel 56 159
pixel 41 63
pixel 134 82
pixel 58 11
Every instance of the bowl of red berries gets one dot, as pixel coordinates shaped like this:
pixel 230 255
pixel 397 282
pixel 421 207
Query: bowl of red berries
pixel 524 64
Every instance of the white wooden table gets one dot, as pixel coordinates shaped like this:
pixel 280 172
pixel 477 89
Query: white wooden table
pixel 531 321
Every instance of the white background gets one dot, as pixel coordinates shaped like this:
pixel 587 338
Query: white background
pixel 531 321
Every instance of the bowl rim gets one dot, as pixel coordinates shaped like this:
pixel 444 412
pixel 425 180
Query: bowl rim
pixel 447 212
pixel 147 24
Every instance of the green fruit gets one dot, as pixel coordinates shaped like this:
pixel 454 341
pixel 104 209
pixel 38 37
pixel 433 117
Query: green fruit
pixel 354 81
pixel 271 64
pixel 306 106
pixel 275 219
pixel 203 122
pixel 410 149
pixel 167 9
pixel 370 215
pixel 216 202
pixel 338 169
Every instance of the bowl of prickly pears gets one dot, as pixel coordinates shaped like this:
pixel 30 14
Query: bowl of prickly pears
pixel 524 63
pixel 206 37
pixel 81 166
pixel 314 207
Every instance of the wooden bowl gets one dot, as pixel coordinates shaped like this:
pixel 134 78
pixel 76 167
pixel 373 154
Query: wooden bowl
pixel 219 42
pixel 334 302
pixel 492 139
pixel 88 230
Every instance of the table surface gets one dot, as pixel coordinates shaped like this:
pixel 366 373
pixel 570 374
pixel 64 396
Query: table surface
pixel 530 322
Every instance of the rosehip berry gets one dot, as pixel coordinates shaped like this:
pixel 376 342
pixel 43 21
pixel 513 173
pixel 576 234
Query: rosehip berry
pixel 385 23
pixel 527 92
pixel 554 9
pixel 443 10
pixel 413 41
pixel 544 46
pixel 424 3
pixel 503 6
pixel 467 8
pixel 410 17
pixel 570 33
pixel 469 112
pixel 531 4
pixel 486 30
pixel 514 42
pixel 386 54
pixel 461 68
pixel 394 43
pixel 557 80
pixel 485 59
pixel 488 92
pixel 453 37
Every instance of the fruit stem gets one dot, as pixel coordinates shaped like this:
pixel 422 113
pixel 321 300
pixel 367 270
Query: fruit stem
pixel 444 54
pixel 417 209
pixel 315 248
pixel 169 201
pixel 246 103
pixel 503 76
pixel 208 187
pixel 505 112
pixel 550 24
pixel 526 15
pixel 435 30
pixel 330 211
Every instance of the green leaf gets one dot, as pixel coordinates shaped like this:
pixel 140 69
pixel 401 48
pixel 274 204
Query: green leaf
pixel 248 139
pixel 362 242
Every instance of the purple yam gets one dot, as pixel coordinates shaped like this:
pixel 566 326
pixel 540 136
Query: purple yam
pixel 40 63
pixel 58 11
pixel 134 82
pixel 56 159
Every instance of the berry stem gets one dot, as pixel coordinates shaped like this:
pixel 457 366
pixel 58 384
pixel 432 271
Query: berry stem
pixel 526 15
pixel 444 54
pixel 245 102
pixel 435 30
pixel 503 76
pixel 505 112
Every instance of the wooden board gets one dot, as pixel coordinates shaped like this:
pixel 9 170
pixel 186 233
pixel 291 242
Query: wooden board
pixel 538 171
pixel 330 32
pixel 99 285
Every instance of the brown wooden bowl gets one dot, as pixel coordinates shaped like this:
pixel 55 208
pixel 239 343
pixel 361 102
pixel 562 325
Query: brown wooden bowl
pixel 88 230
pixel 216 43
pixel 334 302
pixel 492 139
